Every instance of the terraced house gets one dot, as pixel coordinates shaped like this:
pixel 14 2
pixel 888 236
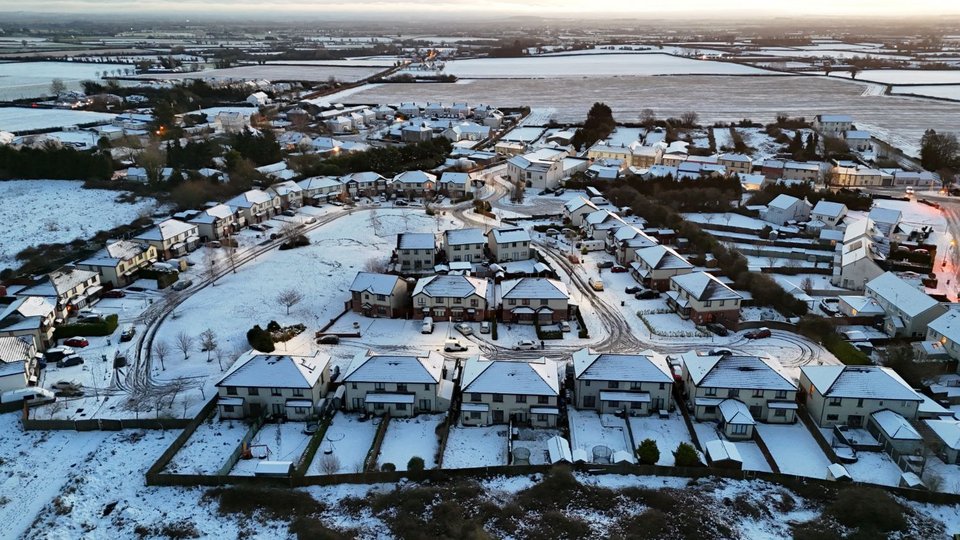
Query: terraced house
pixel 495 392
pixel 452 298
pixel 69 289
pixel 636 384
pixel 255 206
pixel 399 385
pixel 216 222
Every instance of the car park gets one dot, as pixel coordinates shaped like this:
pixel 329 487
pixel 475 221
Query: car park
pixel 464 328
pixel 525 345
pixel 717 329
pixel 759 333
pixel 76 342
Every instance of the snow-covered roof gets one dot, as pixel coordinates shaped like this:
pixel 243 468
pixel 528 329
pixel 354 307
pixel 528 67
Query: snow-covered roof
pixel 947 431
pixel 285 188
pixel 620 367
pixel 885 215
pixel 15 349
pixel 735 411
pixel 704 286
pixel 907 298
pixel 837 118
pixel 458 178
pixel 783 202
pixel 28 306
pixel 947 325
pixel 510 234
pixel 558 449
pixel 860 382
pixel 895 426
pixel 212 214
pixel 451 286
pixel 856 134
pixel 741 158
pixel 374 283
pixel 168 229
pixel 416 241
pixel 662 258
pixel 862 305
pixel 414 177
pixel 277 371
pixel 829 209
pixel 409 369
pixel 533 378
pixel 720 450
pixel 740 372
pixel 534 288
pixel 320 182
pixel 459 237
pixel 577 203
pixel 64 280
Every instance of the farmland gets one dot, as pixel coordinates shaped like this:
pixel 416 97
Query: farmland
pixel 32 79
pixel 277 72
pixel 593 65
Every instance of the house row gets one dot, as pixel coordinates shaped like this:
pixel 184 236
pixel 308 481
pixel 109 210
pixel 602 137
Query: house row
pixel 418 253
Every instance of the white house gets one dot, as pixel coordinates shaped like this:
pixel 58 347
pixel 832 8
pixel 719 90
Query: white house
pixel 541 169
pixel 833 124
pixel 908 309
pixel 280 385
pixel 401 385
pixel 497 391
pixel 575 209
pixel 172 238
pixel 828 213
pixel 786 208
pixel 945 330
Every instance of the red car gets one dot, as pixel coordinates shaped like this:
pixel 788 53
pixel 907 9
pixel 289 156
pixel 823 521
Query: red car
pixel 759 333
pixel 76 342
pixel 114 294
pixel 618 269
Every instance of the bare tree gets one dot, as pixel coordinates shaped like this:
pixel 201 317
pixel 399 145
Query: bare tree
pixel 152 159
pixel 648 118
pixel 375 265
pixel 184 343
pixel 689 118
pixel 161 350
pixel 210 265
pixel 289 298
pixel 57 87
pixel 208 341
pixel 289 231
pixel 137 402
pixel 330 464
pixel 230 243
pixel 807 285
pixel 519 188
pixel 220 354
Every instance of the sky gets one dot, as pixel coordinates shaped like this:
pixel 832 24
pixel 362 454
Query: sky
pixel 547 8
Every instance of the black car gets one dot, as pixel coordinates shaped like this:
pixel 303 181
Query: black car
pixel 632 290
pixel 328 340
pixel 647 294
pixel 128 333
pixel 70 361
pixel 718 329
pixel 605 264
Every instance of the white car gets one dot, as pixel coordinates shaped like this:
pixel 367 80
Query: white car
pixel 526 345
pixel 464 328
pixel 453 345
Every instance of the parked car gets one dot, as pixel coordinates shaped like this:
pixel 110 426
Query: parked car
pixel 70 361
pixel 605 264
pixel 87 318
pixel 564 326
pixel 485 327
pixel 617 269
pixel 135 289
pixel 181 285
pixel 128 333
pixel 596 284
pixel 759 333
pixel 453 345
pixel 214 244
pixel 55 354
pixel 328 340
pixel 65 385
pixel 525 345
pixel 830 306
pixel 256 227
pixel 717 329
pixel 427 327
pixel 464 328
pixel 76 342
pixel 289 213
pixel 633 290
pixel 647 294
pixel 114 294
pixel 721 351
pixel 400 202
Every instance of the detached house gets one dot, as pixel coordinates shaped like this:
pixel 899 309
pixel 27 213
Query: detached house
pixel 833 123
pixel 540 170
pixel 379 295
pixel 703 299
pixel 416 252
pixel 451 298
pixel 828 213
pixel 654 266
pixel 847 395
pixel 399 385
pixel 785 208
pixel 119 262
pixel 576 209
pixel 738 391
pixel 216 222
pixel 634 383
pixel 454 184
pixel 255 206
pixel 464 245
pixel 530 299
pixel 509 244
pixel 279 385
pixel 172 238
pixel 908 310
pixel 857 258
pixel 495 392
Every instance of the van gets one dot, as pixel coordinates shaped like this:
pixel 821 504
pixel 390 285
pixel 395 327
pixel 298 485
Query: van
pixel 427 327
pixel 596 284
pixel 31 396
pixel 591 245
pixel 453 345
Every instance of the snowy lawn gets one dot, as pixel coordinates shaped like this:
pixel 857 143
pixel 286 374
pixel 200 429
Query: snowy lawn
pixel 209 447
pixel 535 440
pixel 283 442
pixel 38 212
pixel 668 432
pixel 589 430
pixel 482 446
pixel 753 459
pixel 348 440
pixel 874 468
pixel 794 449
pixel 409 437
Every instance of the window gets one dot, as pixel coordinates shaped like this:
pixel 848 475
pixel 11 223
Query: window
pixel 780 413
pixel 758 393
pixel 512 301
pixel 543 400
pixel 426 386
pixel 707 303
pixel 253 391
pixel 710 409
pixel 379 386
pixel 636 405
pixel 378 406
pixel 541 418
pixel 835 402
pixel 613 404
pixel 228 408
pixel 474 396
pixel 781 394
pixel 381 297
pixel 275 392
pixel 589 402
pixel 231 390
pixel 711 391
pixel 613 384
pixel 733 392
pixel 832 417
pixel 353 386
pixel 634 385
pixel 521 399
pixel 544 302
pixel 740 429
pixel 458 300
pixel 421 301
pixel 586 383
pixel 474 303
pixel 401 387
pixel 526 301
pixel 475 415
pixel 401 406
pixel 663 386
pixel 298 392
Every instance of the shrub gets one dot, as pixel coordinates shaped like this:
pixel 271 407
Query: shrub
pixel 388 467
pixel 686 456
pixel 260 339
pixel 103 328
pixel 648 453
pixel 867 508
pixel 273 326
pixel 415 464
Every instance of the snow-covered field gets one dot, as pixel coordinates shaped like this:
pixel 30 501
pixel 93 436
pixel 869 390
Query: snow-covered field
pixel 668 432
pixel 17 119
pixel 349 440
pixel 209 447
pixel 284 442
pixel 580 66
pixel 276 73
pixel 19 80
pixel 938 91
pixel 38 212
pixel 794 449
pixel 589 429
pixel 480 446
pixel 905 76
pixel 409 437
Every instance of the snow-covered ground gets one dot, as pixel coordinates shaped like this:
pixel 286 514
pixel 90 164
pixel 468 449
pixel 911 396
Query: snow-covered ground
pixel 275 72
pixel 535 440
pixel 19 80
pixel 905 76
pixel 668 432
pixel 209 447
pixel 409 437
pixel 38 212
pixel 753 459
pixel 937 91
pixel 874 468
pixel 16 119
pixel 579 66
pixel 589 430
pixel 283 442
pixel 480 446
pixel 348 440
pixel 794 449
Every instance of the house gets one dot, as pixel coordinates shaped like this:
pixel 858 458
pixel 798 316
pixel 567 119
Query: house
pixel 740 164
pixel 416 252
pixel 319 189
pixel 828 213
pixel 833 123
pixel 858 140
pixel 289 192
pixel 541 169
pixel 464 245
pixel 885 220
pixel 294 141
pixel 597 225
pixel 801 172
pixel 120 261
pixel 454 184
pixel 451 298
pixel 530 299
pixel 277 385
pixel 416 132
pixel 409 109
pixel 637 384
pixel 509 244
pixel 945 330
pixel 576 209
pixel 908 310
pixel 703 298
pixel 946 436
pixel 654 266
pixel 859 306
pixel 338 124
pixel 232 121
pixel 625 241
pixel 258 99
pixel 498 391
pixel 753 182
pixel 415 183
pixel 847 395
pixel 29 317
pixel 216 222
pixel 15 355
pixel 379 295
pixel 915 178
pixel 399 385
pixel 738 391
pixel 171 238
pixel 857 258
pixel 785 208
pixel 69 289
pixel 466 131
pixel 854 174
pixel 366 184
pixel 255 206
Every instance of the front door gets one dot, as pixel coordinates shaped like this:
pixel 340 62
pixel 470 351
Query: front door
pixel 756 411
pixel 498 417
pixel 277 409
pixel 854 421
pixel 425 405
pixel 357 403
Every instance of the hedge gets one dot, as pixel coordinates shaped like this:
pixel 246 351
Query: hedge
pixel 103 328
